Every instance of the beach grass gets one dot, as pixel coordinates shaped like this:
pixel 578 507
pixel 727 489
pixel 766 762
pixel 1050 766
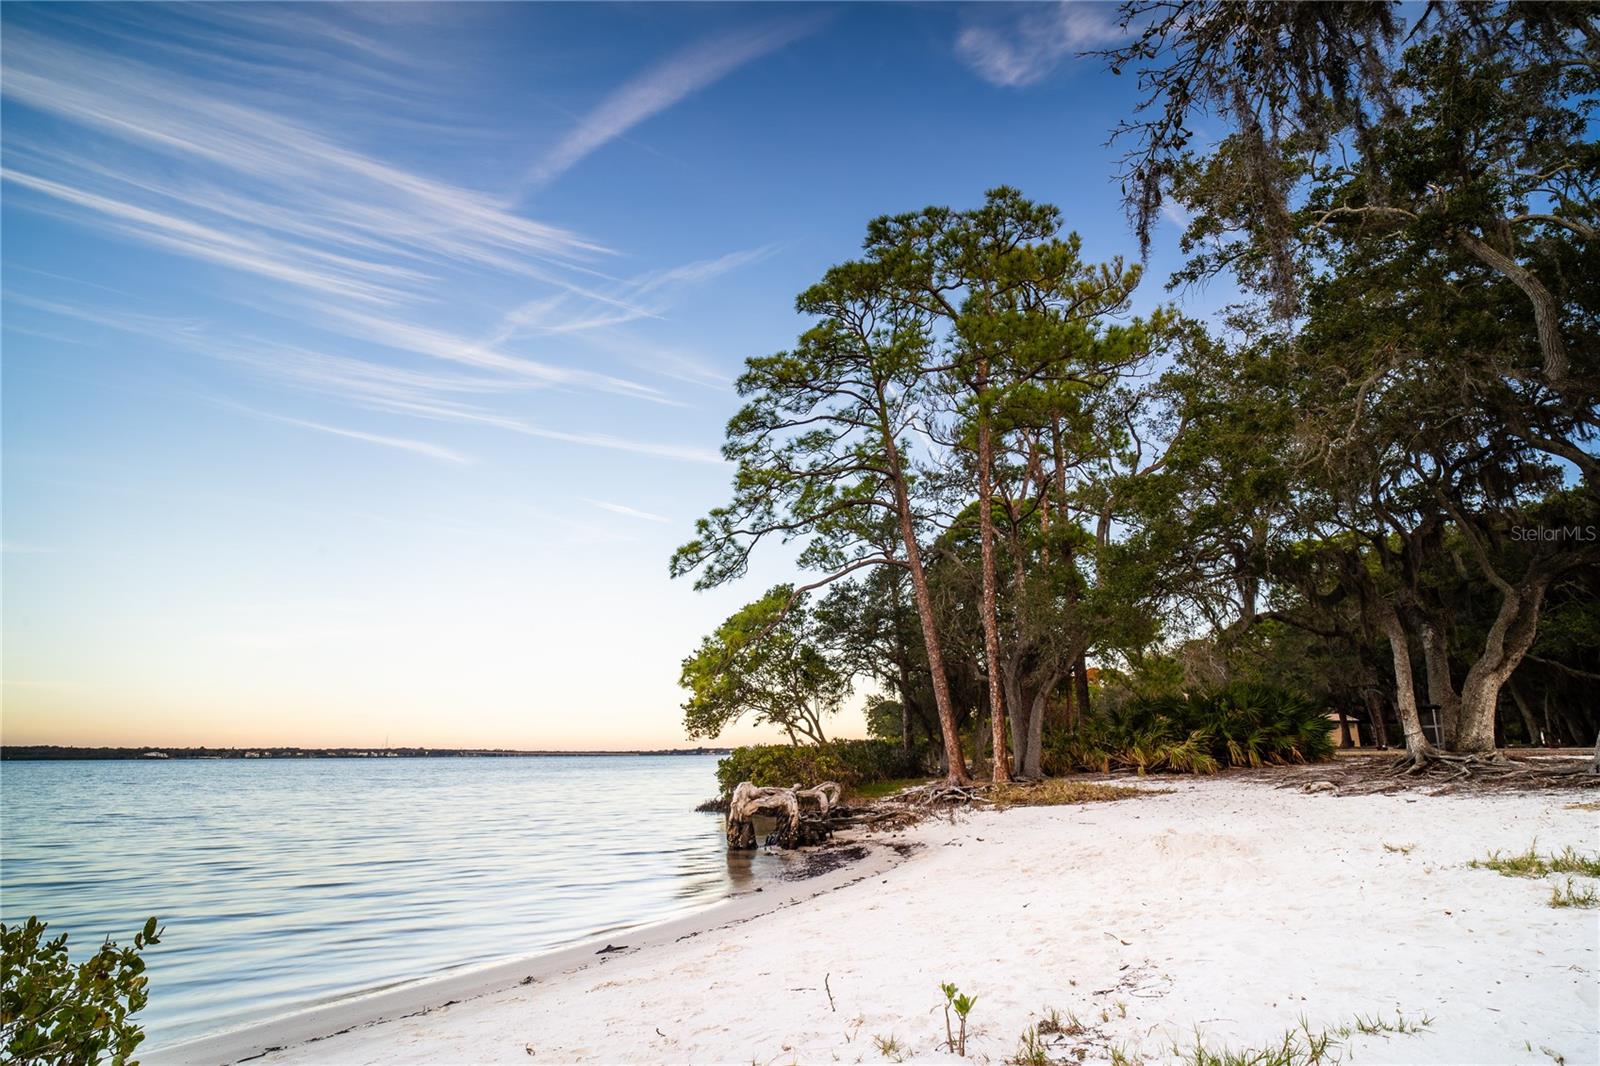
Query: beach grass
pixel 1530 863
pixel 1060 791
pixel 1570 896
pixel 879 789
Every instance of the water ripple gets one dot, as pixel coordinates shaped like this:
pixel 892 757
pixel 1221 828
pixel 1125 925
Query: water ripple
pixel 281 882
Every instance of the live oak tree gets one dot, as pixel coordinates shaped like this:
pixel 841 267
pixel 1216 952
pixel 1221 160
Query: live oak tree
pixel 1421 208
pixel 767 661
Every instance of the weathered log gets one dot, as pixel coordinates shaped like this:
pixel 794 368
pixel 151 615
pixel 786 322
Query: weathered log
pixel 748 801
pixel 804 815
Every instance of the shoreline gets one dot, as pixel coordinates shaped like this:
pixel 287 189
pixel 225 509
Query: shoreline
pixel 1223 910
pixel 314 1023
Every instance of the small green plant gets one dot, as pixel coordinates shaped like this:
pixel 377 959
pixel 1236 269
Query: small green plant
pixel 1530 863
pixel 1299 1047
pixel 1120 1056
pixel 53 1013
pixel 1568 896
pixel 1031 1050
pixel 1398 849
pixel 954 1000
pixel 1377 1025
pixel 890 1048
pixel 1054 1023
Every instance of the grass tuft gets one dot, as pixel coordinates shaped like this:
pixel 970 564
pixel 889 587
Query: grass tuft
pixel 1030 1050
pixel 1568 896
pixel 1377 1025
pixel 1058 791
pixel 1530 863
pixel 890 1048
pixel 880 789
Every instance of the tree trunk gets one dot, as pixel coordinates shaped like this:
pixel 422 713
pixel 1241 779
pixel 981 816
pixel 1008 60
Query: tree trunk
pixel 1528 721
pixel 991 616
pixel 1417 744
pixel 1509 639
pixel 1033 763
pixel 955 767
pixel 1377 715
pixel 1080 682
pixel 1441 689
pixel 1016 716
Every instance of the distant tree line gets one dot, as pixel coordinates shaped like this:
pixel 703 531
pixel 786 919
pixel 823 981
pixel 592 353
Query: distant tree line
pixel 1371 482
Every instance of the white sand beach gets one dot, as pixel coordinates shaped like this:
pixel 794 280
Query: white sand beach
pixel 1225 910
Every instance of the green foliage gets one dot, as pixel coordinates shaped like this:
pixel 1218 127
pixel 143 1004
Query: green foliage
pixel 962 1004
pixel 1530 863
pixel 889 1047
pixel 1237 725
pixel 1031 1050
pixel 764 661
pixel 54 1012
pixel 850 762
pixel 1569 896
pixel 1060 792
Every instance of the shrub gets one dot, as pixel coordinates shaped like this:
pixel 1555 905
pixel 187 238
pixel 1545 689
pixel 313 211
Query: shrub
pixel 1199 733
pixel 54 1012
pixel 849 762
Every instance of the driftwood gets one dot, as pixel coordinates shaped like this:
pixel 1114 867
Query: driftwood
pixel 804 815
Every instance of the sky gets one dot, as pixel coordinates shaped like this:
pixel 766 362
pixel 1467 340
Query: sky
pixel 363 365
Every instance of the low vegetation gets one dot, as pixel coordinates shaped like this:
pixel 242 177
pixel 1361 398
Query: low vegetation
pixel 55 1013
pixel 889 1047
pixel 1059 791
pixel 955 1000
pixel 1062 1040
pixel 1237 725
pixel 1530 863
pixel 852 763
pixel 1569 896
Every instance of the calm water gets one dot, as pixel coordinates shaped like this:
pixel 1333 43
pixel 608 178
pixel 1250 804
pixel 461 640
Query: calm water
pixel 282 882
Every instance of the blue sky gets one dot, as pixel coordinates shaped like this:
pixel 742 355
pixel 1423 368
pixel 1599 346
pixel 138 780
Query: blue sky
pixel 364 364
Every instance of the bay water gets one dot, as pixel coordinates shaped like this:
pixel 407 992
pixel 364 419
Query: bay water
pixel 282 883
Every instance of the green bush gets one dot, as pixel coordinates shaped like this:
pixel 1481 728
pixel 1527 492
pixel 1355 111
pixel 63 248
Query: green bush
pixel 849 762
pixel 52 1012
pixel 1237 725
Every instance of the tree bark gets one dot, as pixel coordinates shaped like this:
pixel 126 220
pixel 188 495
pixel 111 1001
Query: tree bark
pixel 1441 689
pixel 1377 715
pixel 1546 314
pixel 1080 682
pixel 1417 744
pixel 955 765
pixel 991 617
pixel 1033 763
pixel 1528 721
pixel 1512 634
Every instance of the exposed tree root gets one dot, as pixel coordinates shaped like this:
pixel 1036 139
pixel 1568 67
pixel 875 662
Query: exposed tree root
pixel 1453 764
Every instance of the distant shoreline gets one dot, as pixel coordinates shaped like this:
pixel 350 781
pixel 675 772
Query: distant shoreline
pixel 157 753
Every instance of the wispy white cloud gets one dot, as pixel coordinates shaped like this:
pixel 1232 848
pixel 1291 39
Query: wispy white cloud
pixel 288 169
pixel 630 512
pixel 661 87
pixel 405 444
pixel 374 269
pixel 1023 49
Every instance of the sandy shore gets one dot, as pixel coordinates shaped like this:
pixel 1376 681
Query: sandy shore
pixel 1226 908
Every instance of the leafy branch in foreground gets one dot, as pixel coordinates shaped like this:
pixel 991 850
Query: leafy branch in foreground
pixel 52 1012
